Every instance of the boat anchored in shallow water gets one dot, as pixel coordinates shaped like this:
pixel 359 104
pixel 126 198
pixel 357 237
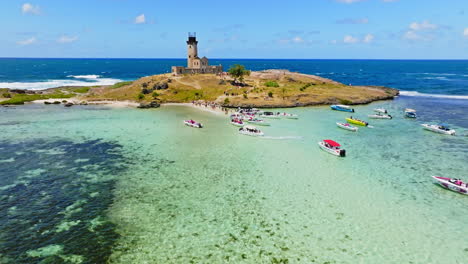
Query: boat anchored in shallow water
pixel 347 126
pixel 270 115
pixel 356 121
pixel 250 131
pixel 237 122
pixel 410 113
pixel 258 122
pixel 380 116
pixel 289 116
pixel 455 185
pixel 381 110
pixel 192 123
pixel 344 108
pixel 332 147
pixel 441 129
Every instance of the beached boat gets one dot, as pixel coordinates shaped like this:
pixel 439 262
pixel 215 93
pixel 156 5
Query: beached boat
pixel 192 123
pixel 455 185
pixel 250 131
pixel 237 122
pixel 381 110
pixel 355 121
pixel 441 129
pixel 347 126
pixel 258 122
pixel 344 108
pixel 410 113
pixel 332 147
pixel 380 116
pixel 270 115
pixel 289 116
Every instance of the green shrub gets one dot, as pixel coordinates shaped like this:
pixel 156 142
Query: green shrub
pixel 80 89
pixel 345 102
pixel 245 96
pixel 155 94
pixel 120 84
pixel 140 96
pixel 6 95
pixel 271 84
pixel 226 101
pixel 270 94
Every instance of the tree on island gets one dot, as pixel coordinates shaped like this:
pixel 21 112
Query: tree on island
pixel 238 72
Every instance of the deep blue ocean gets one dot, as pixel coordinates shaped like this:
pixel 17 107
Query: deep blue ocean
pixel 414 77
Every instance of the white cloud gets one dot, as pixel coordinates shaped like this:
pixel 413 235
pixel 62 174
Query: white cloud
pixel 353 21
pixel 26 42
pixel 425 25
pixel 141 19
pixel 297 39
pixel 421 31
pixel 67 39
pixel 350 39
pixel 28 8
pixel 368 38
pixel 465 32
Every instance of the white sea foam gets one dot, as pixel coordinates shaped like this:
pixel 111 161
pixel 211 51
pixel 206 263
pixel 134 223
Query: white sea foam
pixel 57 83
pixel 412 93
pixel 90 76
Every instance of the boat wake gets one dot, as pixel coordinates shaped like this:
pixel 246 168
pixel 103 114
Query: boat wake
pixel 283 137
pixel 84 80
pixel 413 93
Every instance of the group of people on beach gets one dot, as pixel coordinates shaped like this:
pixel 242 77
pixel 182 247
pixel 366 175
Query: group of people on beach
pixel 212 105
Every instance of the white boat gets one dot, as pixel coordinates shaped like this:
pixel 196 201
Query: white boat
pixel 380 116
pixel 347 126
pixel 332 147
pixel 441 129
pixel 270 115
pixel 250 131
pixel 455 185
pixel 258 122
pixel 381 110
pixel 410 113
pixel 237 122
pixel 289 116
pixel 192 123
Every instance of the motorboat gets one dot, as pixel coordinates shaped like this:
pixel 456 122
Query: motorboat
pixel 192 123
pixel 258 122
pixel 410 113
pixel 381 110
pixel 452 184
pixel 356 121
pixel 332 147
pixel 270 115
pixel 441 129
pixel 237 115
pixel 237 122
pixel 289 116
pixel 250 131
pixel 347 126
pixel 344 108
pixel 380 116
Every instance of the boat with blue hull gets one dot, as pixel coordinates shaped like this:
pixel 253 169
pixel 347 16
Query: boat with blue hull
pixel 344 108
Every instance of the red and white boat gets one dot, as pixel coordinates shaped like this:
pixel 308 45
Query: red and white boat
pixel 452 184
pixel 192 123
pixel 237 122
pixel 332 147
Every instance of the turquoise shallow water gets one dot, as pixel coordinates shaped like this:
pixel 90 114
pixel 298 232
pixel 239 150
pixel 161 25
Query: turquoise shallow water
pixel 93 184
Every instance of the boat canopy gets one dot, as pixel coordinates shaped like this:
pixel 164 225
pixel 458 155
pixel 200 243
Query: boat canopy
pixel 331 143
pixel 250 127
pixel 344 106
pixel 444 125
pixel 410 110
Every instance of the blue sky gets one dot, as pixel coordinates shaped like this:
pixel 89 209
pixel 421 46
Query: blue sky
pixel 321 29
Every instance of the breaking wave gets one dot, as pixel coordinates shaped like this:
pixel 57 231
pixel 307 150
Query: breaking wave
pixel 86 80
pixel 412 93
pixel 90 76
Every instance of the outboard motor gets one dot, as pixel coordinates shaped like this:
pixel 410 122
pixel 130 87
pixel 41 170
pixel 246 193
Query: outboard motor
pixel 200 126
pixel 391 117
pixel 342 153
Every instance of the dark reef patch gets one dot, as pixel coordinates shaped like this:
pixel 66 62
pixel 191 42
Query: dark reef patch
pixel 57 193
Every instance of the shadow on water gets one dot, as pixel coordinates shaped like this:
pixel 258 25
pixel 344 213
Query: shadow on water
pixel 53 201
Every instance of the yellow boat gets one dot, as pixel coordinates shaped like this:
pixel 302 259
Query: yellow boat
pixel 351 120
